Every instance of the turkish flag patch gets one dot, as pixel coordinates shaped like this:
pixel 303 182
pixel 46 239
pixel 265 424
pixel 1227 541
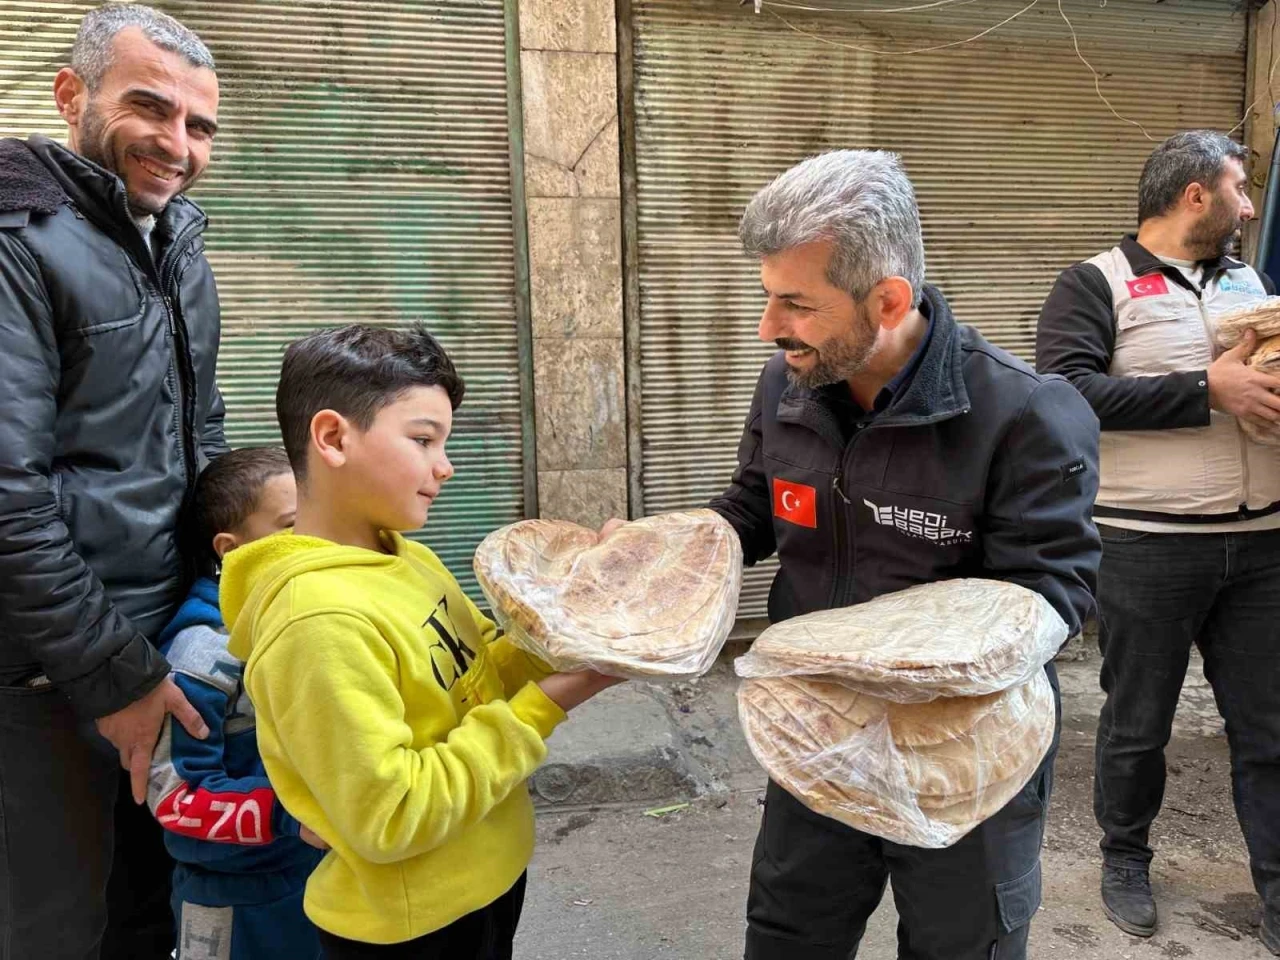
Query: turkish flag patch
pixel 1152 285
pixel 795 503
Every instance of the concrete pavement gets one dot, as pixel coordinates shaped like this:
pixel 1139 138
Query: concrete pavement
pixel 610 883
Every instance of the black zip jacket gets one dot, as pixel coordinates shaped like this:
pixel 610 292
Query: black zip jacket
pixel 108 411
pixel 978 467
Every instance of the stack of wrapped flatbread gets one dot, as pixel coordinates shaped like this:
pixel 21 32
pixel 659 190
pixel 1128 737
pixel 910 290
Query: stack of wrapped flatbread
pixel 1261 316
pixel 656 599
pixel 1264 318
pixel 1266 358
pixel 914 717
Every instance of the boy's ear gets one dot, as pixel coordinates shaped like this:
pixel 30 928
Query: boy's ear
pixel 224 543
pixel 329 431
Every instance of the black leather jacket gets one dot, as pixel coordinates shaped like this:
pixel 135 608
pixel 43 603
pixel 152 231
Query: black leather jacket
pixel 108 411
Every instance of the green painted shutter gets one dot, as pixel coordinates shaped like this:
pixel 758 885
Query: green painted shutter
pixel 363 173
pixel 1020 170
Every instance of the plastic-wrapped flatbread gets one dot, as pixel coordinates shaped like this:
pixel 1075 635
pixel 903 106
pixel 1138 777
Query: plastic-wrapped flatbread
pixel 954 638
pixel 922 774
pixel 655 599
pixel 1266 358
pixel 1262 316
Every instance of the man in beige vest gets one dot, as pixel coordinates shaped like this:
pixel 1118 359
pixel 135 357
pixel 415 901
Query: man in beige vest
pixel 1188 506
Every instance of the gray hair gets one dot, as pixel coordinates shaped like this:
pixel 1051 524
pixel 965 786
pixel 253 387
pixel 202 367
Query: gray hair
pixel 91 53
pixel 1197 156
pixel 860 201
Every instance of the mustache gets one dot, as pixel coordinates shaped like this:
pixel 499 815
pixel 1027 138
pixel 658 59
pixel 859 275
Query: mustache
pixel 788 343
pixel 152 153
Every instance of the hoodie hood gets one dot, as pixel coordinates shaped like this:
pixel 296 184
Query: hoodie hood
pixel 255 574
pixel 200 609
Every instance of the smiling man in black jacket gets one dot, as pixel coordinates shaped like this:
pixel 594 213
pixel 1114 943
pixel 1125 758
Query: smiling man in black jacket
pixel 888 446
pixel 108 340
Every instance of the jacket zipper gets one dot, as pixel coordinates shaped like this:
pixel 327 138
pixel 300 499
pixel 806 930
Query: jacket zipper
pixel 181 350
pixel 838 529
pixel 841 587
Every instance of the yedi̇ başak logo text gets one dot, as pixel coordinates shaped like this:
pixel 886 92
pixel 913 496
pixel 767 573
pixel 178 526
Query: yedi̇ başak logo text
pixel 919 524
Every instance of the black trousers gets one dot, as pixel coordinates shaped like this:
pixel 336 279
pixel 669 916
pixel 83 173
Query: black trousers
pixel 1158 594
pixel 815 882
pixel 83 871
pixel 486 934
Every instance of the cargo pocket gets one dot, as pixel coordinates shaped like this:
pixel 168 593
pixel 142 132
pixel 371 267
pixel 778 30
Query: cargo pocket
pixel 1017 901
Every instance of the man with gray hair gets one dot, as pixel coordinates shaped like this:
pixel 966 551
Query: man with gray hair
pixel 889 446
pixel 109 329
pixel 1188 509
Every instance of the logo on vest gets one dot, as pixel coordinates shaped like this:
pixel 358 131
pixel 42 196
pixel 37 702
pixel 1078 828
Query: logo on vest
pixel 919 524
pixel 1227 285
pixel 1152 285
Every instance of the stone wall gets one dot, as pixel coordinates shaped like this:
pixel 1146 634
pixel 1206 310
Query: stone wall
pixel 1262 89
pixel 568 60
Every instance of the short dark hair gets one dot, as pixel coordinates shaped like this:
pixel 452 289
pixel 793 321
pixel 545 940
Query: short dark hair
pixel 228 490
pixel 1197 156
pixel 93 50
pixel 356 371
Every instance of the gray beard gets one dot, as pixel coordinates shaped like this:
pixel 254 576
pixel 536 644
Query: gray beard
pixel 836 361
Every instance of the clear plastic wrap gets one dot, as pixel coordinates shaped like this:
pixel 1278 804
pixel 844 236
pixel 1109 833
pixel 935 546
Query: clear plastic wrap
pixel 1262 316
pixel 1265 358
pixel 922 774
pixel 656 599
pixel 954 638
pixel 1267 436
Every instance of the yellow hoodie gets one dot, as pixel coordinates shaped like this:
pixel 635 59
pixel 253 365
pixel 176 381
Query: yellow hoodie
pixel 392 724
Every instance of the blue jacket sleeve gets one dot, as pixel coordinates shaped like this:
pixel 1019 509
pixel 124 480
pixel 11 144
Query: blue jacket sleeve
pixel 192 794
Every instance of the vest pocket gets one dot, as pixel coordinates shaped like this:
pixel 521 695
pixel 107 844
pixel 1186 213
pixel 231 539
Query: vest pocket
pixel 1139 313
pixel 1159 335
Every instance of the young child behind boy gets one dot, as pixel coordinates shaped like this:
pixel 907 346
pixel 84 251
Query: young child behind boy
pixel 241 865
pixel 391 717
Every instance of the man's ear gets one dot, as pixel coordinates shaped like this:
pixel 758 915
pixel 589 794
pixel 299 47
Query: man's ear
pixel 890 301
pixel 70 94
pixel 1197 197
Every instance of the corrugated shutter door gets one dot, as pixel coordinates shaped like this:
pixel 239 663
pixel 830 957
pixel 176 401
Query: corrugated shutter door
pixel 1020 170
pixel 362 174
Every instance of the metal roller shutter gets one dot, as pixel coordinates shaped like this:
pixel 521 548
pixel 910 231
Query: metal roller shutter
pixel 1019 169
pixel 363 173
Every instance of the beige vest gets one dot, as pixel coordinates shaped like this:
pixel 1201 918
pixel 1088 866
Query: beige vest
pixel 1162 327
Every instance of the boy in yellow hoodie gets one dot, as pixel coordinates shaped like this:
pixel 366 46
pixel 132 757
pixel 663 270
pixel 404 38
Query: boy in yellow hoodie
pixel 392 718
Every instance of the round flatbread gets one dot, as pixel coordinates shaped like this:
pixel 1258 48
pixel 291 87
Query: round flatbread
pixel 657 598
pixel 954 638
pixel 1265 358
pixel 1266 355
pixel 1262 316
pixel 923 774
